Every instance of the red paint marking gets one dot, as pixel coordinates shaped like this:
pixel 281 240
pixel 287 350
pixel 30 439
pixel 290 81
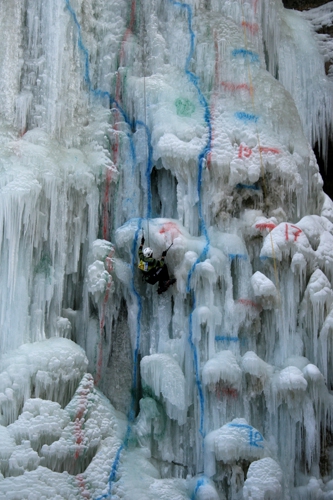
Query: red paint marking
pixel 244 151
pixel 252 27
pixel 212 110
pixel 265 225
pixel 263 149
pixel 115 146
pixel 255 5
pixel 297 233
pixel 82 486
pixel 172 228
pixel 109 268
pixel 233 86
pixel 250 303
pixel 122 49
pixel 222 390
pixel 106 203
pixel 79 418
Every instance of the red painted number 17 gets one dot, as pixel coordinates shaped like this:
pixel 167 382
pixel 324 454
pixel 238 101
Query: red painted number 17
pixel 294 232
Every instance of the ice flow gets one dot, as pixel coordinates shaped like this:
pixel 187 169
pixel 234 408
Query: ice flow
pixel 191 123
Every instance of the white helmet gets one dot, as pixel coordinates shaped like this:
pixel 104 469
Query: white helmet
pixel 147 252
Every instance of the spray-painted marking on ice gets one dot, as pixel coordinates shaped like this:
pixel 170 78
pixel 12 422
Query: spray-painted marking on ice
pixel 249 55
pixel 295 232
pixel 251 27
pixel 223 390
pixel 214 97
pixel 201 160
pixel 131 413
pixel 233 87
pixel 81 482
pixel 225 338
pixel 115 146
pixel 246 117
pixel 246 151
pixel 240 256
pixel 105 94
pixel 109 268
pixel 254 436
pixel 79 421
pixel 255 5
pixel 201 482
pixel 230 339
pixel 170 228
pixel 265 225
pixel 249 303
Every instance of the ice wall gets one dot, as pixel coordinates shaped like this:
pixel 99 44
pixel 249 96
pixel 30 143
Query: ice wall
pixel 191 123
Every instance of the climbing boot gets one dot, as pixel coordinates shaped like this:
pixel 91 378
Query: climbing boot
pixel 166 285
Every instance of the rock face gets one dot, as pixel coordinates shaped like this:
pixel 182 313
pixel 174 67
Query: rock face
pixel 303 5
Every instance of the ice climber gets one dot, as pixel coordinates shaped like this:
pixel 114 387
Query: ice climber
pixel 154 270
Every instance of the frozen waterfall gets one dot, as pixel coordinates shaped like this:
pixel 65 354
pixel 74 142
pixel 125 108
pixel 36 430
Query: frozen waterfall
pixel 191 123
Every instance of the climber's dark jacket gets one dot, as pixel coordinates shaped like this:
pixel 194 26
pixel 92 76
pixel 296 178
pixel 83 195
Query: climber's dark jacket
pixel 153 264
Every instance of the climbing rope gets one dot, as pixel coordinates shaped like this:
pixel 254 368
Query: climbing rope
pixel 144 61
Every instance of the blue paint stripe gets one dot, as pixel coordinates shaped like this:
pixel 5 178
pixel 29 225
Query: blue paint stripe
pixel 101 93
pixel 105 94
pixel 201 482
pixel 131 413
pixel 197 368
pixel 246 117
pixel 224 338
pixel 246 54
pixel 202 226
pixel 233 256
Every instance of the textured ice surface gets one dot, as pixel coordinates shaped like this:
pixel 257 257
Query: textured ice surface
pixel 190 124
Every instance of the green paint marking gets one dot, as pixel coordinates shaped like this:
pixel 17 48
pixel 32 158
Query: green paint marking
pixel 44 265
pixel 184 107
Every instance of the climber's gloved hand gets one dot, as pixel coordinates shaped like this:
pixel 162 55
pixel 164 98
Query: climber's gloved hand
pixel 142 240
pixel 164 253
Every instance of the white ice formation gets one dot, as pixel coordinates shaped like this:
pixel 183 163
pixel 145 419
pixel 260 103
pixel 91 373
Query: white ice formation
pixel 191 123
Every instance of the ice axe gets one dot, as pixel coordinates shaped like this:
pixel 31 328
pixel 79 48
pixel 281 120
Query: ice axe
pixel 166 251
